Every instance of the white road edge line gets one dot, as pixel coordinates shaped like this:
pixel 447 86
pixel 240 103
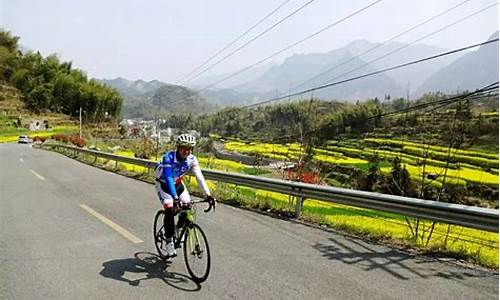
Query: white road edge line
pixel 37 175
pixel 124 232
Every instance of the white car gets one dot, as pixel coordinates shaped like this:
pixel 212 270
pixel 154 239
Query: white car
pixel 24 139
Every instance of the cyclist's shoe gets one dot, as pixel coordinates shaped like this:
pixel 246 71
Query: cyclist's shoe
pixel 170 249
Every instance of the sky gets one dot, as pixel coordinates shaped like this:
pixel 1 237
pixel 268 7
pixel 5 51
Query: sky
pixel 165 40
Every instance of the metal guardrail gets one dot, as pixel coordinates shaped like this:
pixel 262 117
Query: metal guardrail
pixel 469 216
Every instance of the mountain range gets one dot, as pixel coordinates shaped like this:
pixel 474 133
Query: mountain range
pixel 471 70
pixel 151 99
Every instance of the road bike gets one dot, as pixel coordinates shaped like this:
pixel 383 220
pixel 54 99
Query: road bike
pixel 188 234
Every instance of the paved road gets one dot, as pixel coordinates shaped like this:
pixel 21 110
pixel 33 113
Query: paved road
pixel 52 248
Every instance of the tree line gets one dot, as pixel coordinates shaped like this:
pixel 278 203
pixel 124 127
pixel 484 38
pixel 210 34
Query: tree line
pixel 48 84
pixel 321 121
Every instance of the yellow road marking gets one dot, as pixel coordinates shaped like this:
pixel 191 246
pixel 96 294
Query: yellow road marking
pixel 124 232
pixel 37 175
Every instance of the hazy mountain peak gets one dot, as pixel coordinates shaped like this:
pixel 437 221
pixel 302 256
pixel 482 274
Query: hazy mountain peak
pixel 474 70
pixel 358 46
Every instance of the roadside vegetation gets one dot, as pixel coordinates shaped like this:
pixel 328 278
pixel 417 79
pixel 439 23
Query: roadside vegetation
pixel 463 243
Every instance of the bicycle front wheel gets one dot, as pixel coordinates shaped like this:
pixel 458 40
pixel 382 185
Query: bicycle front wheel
pixel 159 234
pixel 196 253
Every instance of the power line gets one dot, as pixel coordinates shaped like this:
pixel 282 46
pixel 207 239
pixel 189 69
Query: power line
pixel 487 94
pixel 381 44
pixel 234 41
pixel 407 45
pixel 478 94
pixel 415 41
pixel 373 73
pixel 251 40
pixel 293 44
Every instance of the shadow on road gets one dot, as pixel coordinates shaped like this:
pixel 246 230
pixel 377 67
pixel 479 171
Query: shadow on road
pixel 399 264
pixel 151 266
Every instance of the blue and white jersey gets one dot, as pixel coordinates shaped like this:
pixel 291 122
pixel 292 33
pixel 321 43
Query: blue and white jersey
pixel 170 170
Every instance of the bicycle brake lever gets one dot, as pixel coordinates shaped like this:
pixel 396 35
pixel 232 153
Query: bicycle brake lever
pixel 209 207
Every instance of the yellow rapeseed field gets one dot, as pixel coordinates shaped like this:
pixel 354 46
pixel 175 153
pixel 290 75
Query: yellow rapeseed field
pixel 467 174
pixel 432 147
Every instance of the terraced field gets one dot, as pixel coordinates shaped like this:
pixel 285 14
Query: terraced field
pixel 464 166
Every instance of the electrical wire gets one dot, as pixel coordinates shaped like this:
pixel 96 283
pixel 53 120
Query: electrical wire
pixel 293 45
pixel 233 41
pixel 400 48
pixel 415 41
pixel 250 41
pixel 449 100
pixel 381 44
pixel 373 73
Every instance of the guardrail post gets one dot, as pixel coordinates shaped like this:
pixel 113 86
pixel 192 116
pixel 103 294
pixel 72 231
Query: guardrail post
pixel 298 206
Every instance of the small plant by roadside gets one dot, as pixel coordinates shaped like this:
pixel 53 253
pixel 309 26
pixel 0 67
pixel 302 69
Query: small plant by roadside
pixel 73 139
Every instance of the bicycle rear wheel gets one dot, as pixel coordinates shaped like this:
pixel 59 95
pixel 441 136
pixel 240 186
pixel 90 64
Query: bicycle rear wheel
pixel 159 234
pixel 196 253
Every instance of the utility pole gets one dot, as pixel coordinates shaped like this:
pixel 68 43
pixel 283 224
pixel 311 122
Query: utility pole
pixel 289 90
pixel 80 122
pixel 408 92
pixel 158 129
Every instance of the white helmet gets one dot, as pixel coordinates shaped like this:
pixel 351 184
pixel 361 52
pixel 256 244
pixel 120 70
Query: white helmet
pixel 186 140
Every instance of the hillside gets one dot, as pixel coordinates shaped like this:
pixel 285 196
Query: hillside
pixel 151 99
pixel 447 74
pixel 133 88
pixel 299 68
pixel 472 71
pixel 281 76
pixel 15 119
pixel 49 85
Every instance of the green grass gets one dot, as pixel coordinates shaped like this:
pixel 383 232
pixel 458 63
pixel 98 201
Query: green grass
pixel 492 148
pixel 474 245
pixel 11 135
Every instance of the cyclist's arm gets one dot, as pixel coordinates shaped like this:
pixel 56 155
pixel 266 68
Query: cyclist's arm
pixel 168 175
pixel 200 178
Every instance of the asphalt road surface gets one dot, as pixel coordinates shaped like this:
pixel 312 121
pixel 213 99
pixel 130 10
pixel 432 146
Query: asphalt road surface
pixel 53 246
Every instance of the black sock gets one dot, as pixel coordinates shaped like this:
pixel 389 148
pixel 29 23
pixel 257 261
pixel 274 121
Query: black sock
pixel 182 219
pixel 168 222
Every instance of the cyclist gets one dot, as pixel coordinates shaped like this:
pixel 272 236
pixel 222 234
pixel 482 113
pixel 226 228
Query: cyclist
pixel 169 185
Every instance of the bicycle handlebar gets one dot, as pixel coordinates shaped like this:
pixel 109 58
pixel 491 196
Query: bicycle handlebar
pixel 211 204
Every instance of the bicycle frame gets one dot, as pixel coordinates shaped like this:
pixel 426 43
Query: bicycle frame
pixel 190 236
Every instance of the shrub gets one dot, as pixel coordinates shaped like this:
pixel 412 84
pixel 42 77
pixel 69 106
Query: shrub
pixel 77 141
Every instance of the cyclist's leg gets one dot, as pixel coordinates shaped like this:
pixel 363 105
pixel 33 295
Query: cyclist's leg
pixel 184 197
pixel 168 203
